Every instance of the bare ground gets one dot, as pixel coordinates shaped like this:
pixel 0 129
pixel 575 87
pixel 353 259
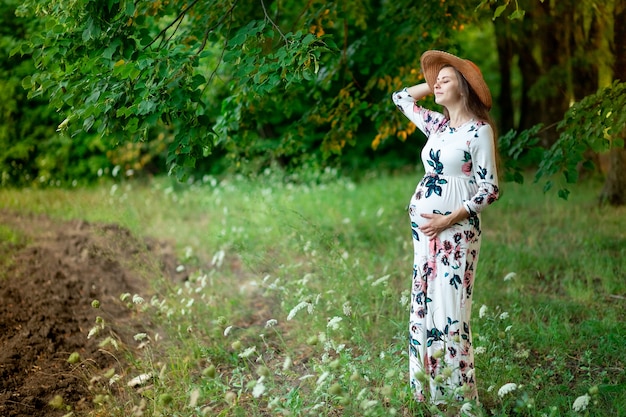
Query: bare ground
pixel 48 280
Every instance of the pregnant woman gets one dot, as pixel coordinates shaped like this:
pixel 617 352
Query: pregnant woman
pixel 461 179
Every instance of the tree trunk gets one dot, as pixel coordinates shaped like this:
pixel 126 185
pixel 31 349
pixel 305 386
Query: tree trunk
pixel 542 45
pixel 614 191
pixel 505 61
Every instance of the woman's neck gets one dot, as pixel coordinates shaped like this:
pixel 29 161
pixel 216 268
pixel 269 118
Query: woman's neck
pixel 458 116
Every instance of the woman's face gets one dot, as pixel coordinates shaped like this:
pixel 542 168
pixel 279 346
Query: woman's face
pixel 447 87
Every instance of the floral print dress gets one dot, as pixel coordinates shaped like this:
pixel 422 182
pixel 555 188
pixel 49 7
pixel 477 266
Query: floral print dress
pixel 460 171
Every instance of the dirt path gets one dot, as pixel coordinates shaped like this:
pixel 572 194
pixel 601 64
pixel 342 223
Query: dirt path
pixel 47 283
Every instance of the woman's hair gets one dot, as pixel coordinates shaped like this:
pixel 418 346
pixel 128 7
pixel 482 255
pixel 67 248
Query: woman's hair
pixel 475 107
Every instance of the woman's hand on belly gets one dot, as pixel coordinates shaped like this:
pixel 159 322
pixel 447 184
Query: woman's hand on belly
pixel 437 223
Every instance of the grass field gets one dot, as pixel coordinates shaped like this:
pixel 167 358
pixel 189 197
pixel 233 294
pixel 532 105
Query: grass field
pixel 298 300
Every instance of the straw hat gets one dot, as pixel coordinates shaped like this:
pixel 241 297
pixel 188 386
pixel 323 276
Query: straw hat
pixel 433 61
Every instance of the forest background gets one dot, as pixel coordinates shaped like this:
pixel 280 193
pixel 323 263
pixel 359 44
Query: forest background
pixel 209 87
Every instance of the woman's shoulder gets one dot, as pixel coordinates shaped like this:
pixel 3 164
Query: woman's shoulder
pixel 480 134
pixel 480 128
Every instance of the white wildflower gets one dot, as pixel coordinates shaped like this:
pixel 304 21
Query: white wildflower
pixel 318 406
pixel 249 351
pixel 506 389
pixel 334 323
pixel 483 311
pixel 193 398
pixel 365 404
pixel 381 280
pixel 361 394
pixel 297 308
pixel 271 323
pixel 140 336
pixel 581 403
pixel 318 297
pixel 522 354
pixel 139 380
pixel 258 390
pixel 479 350
pixel 227 330
pixel 322 377
pixel 510 276
pixel 404 298
pixel 347 309
pixel 94 331
pixel 218 258
pixel 286 363
pixel 504 316
pixel 114 379
pixel 466 408
pixel 508 328
pixel 137 299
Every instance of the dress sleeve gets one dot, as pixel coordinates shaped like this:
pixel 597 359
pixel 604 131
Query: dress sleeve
pixel 427 121
pixel 482 149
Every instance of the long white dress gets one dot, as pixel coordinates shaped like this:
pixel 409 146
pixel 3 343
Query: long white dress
pixel 460 171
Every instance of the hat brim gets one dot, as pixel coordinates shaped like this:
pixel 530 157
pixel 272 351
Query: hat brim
pixel 433 61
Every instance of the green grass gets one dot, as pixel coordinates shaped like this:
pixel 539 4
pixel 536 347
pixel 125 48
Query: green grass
pixel 9 240
pixel 297 303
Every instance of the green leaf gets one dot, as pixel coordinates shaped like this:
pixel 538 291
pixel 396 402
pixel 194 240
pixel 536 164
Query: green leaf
pixel 564 193
pixel 517 14
pixel 197 81
pixel 88 123
pixel 110 50
pixel 499 10
pixel 130 8
pixel 145 107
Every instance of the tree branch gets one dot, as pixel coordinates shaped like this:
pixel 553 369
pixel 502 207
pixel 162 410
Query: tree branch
pixel 211 28
pixel 267 16
pixel 179 17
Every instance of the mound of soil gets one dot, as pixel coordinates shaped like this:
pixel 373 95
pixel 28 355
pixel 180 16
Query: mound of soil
pixel 48 280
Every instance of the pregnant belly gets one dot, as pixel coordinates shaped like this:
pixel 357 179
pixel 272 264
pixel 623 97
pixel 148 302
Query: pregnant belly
pixel 421 203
